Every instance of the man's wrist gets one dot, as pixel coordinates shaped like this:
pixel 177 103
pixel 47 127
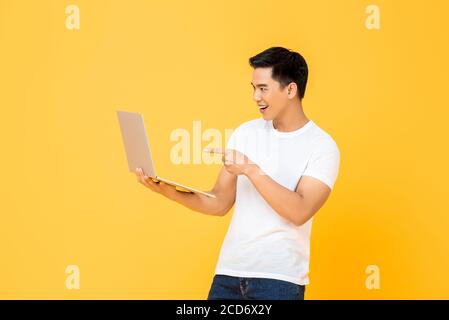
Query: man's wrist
pixel 251 169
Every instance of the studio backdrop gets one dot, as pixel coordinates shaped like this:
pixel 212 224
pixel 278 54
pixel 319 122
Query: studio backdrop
pixel 76 224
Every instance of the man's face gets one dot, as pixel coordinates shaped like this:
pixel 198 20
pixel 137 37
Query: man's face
pixel 270 99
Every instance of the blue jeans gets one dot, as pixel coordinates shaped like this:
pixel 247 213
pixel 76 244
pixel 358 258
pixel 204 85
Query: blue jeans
pixel 236 288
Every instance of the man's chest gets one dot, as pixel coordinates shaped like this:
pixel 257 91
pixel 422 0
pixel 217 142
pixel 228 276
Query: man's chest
pixel 284 160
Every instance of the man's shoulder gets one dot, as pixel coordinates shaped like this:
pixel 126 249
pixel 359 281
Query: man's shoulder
pixel 322 139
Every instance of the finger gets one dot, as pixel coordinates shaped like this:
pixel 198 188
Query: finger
pixel 228 154
pixel 228 157
pixel 214 150
pixel 138 174
pixel 141 179
pixel 148 182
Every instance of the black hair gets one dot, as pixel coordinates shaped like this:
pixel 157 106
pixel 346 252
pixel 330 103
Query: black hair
pixel 287 66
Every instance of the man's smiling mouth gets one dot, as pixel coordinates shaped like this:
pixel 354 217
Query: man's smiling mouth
pixel 262 108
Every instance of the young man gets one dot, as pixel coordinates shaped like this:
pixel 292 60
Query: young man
pixel 278 171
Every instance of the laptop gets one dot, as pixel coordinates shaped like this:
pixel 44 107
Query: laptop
pixel 138 150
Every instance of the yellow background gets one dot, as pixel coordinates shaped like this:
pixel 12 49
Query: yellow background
pixel 67 197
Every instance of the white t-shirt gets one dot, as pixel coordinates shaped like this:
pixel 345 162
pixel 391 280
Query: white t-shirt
pixel 259 242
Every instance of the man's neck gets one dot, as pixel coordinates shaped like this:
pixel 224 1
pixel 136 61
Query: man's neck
pixel 291 119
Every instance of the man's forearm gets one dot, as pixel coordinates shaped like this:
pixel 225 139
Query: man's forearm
pixel 288 204
pixel 198 202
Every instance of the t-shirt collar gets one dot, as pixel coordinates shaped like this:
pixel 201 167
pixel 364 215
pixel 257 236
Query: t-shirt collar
pixel 293 133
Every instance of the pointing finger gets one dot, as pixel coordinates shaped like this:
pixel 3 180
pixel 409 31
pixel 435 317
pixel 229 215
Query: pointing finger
pixel 214 150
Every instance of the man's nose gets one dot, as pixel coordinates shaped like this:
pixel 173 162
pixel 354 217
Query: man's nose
pixel 256 96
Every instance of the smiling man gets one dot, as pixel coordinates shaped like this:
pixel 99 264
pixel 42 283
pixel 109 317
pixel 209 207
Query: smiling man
pixel 278 172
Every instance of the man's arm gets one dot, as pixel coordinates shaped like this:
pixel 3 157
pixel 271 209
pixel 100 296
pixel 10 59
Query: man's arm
pixel 224 190
pixel 296 206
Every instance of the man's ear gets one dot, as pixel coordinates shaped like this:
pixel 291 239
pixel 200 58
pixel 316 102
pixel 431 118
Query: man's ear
pixel 292 88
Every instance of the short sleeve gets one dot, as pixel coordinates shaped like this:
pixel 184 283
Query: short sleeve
pixel 324 163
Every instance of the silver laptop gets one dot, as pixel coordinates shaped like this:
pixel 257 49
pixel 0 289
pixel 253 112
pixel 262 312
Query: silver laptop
pixel 138 150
